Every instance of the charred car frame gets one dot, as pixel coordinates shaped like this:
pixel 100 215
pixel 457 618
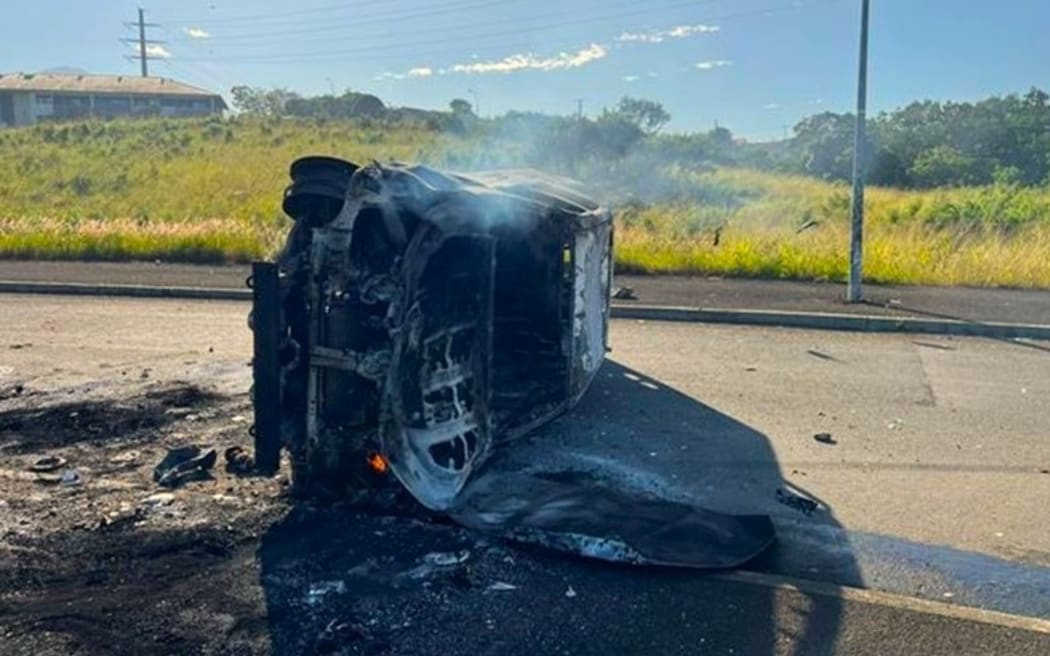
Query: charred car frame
pixel 415 319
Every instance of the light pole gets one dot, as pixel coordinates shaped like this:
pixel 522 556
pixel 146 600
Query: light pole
pixel 477 105
pixel 856 247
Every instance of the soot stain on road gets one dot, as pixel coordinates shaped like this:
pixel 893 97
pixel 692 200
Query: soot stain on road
pixel 235 565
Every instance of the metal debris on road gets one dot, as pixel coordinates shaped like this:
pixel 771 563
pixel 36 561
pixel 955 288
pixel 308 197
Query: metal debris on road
pixel 501 586
pixel 239 461
pixel 187 463
pixel 805 506
pixel 624 294
pixel 47 464
pixel 439 559
pixel 825 438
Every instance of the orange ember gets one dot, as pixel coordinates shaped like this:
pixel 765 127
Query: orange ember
pixel 378 463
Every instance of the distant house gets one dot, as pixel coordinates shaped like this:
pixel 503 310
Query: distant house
pixel 26 98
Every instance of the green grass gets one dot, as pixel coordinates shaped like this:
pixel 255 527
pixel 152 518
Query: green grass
pixel 209 190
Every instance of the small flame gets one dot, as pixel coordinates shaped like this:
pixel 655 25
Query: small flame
pixel 378 463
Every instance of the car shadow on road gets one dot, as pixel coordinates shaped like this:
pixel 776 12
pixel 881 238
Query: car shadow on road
pixel 353 580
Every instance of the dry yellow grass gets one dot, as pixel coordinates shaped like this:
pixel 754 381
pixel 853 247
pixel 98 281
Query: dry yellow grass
pixel 941 237
pixel 209 191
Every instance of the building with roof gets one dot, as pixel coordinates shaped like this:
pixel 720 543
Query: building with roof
pixel 26 98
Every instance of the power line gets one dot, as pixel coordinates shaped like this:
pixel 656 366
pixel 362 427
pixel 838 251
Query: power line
pixel 282 17
pixel 142 42
pixel 267 37
pixel 471 39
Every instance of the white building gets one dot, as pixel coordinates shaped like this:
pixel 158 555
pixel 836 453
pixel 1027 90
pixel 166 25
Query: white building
pixel 26 98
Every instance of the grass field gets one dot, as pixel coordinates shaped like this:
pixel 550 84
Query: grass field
pixel 209 190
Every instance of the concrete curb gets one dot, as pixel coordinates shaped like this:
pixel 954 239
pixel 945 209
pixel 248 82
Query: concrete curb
pixel 829 321
pixel 810 320
pixel 135 291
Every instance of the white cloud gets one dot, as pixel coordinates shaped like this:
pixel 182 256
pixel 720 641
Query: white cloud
pixel 196 33
pixel 711 64
pixel 772 106
pixel 816 101
pixel 157 50
pixel 419 71
pixel 630 78
pixel 521 62
pixel 659 36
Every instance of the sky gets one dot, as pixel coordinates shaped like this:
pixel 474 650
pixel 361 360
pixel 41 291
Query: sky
pixel 754 66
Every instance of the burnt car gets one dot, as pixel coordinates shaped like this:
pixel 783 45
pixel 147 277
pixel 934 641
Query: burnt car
pixel 415 319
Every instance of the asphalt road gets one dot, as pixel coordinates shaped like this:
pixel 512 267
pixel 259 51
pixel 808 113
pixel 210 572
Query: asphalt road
pixel 970 304
pixel 935 486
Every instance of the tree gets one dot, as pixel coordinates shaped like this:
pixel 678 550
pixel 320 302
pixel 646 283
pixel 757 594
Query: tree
pixel 461 107
pixel 267 102
pixel 943 165
pixel 825 145
pixel 649 116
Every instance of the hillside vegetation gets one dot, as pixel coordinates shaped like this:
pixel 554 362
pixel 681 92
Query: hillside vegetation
pixel 209 190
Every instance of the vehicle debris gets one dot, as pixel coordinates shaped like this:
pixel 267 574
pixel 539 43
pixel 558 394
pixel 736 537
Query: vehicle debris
pixel 318 591
pixel 501 586
pixel 47 464
pixel 825 438
pixel 186 463
pixel 71 478
pixel 805 506
pixel 439 559
pixel 624 294
pixel 239 461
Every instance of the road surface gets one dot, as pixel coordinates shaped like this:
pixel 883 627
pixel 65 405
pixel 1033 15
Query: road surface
pixel 933 484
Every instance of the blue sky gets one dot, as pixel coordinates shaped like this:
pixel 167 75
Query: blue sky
pixel 755 66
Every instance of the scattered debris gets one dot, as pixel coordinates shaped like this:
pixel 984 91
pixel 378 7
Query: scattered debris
pixel 446 559
pixel 318 591
pixel 12 391
pixel 825 438
pixel 338 634
pixel 125 457
pixel 805 506
pixel 501 586
pixel 822 356
pixel 47 464
pixel 71 478
pixel 624 294
pixel 239 461
pixel 159 499
pixel 570 592
pixel 184 464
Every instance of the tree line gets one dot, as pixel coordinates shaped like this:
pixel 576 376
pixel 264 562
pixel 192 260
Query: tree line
pixel 1001 139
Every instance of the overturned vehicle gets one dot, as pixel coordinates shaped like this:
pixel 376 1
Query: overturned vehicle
pixel 415 319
